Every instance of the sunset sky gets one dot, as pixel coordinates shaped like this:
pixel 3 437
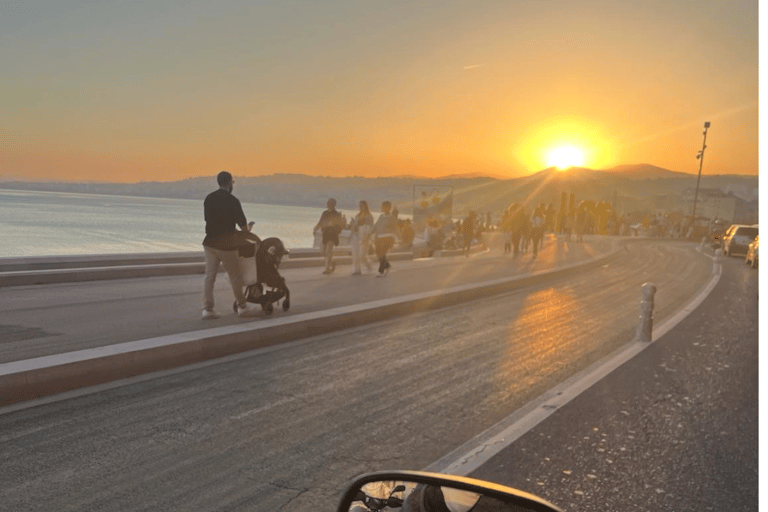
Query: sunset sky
pixel 162 90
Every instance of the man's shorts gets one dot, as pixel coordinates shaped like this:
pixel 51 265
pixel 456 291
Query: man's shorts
pixel 331 235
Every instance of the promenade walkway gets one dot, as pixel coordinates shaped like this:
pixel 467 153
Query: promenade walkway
pixel 98 331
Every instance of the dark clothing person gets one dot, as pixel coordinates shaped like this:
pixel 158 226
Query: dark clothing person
pixel 468 227
pixel 385 230
pixel 331 223
pixel 537 229
pixel 223 213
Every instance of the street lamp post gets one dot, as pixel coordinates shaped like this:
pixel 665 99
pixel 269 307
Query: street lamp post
pixel 700 158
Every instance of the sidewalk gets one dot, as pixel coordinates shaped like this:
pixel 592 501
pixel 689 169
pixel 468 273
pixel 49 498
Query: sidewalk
pixel 69 335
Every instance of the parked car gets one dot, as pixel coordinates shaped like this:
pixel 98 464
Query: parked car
pixel 737 239
pixel 752 257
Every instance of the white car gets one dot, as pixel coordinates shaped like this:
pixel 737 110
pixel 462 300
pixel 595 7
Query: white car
pixel 737 239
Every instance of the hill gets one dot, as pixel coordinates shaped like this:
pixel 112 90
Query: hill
pixel 634 186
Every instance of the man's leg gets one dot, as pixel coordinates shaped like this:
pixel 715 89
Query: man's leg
pixel 380 253
pixel 387 244
pixel 328 253
pixel 211 269
pixel 232 265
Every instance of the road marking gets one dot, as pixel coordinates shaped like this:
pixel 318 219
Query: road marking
pixel 479 450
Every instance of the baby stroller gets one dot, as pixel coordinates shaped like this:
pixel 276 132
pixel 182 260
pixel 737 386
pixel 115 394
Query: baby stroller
pixel 268 255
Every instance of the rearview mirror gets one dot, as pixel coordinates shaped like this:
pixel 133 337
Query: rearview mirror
pixel 417 491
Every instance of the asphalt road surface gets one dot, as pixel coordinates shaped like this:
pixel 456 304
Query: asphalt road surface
pixel 675 428
pixel 285 428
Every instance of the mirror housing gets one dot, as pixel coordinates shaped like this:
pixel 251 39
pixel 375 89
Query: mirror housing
pixel 503 498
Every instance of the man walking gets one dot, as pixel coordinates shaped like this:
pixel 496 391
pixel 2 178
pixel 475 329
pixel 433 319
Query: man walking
pixel 223 212
pixel 386 232
pixel 330 224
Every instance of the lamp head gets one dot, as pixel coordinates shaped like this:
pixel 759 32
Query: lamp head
pixel 706 125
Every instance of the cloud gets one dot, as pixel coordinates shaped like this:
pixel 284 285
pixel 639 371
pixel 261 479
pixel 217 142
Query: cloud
pixel 473 66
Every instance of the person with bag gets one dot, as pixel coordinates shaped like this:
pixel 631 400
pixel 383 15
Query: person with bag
pixel 362 228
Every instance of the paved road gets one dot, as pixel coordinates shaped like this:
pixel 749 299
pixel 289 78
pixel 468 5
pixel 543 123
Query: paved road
pixel 675 428
pixel 43 320
pixel 285 428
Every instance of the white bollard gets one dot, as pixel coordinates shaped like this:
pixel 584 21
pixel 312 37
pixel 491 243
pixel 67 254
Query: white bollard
pixel 701 245
pixel 645 325
pixel 718 261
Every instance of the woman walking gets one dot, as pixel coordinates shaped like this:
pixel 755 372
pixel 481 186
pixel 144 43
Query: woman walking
pixel 386 231
pixel 362 228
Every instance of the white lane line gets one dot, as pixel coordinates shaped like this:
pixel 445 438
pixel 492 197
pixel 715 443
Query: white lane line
pixel 479 450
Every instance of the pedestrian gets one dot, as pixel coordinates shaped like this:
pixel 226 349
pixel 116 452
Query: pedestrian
pixel 385 230
pixel 468 227
pixel 223 212
pixel 537 229
pixel 568 226
pixel 581 224
pixel 362 229
pixel 506 228
pixel 525 230
pixel 330 225
pixel 407 233
pixel 517 227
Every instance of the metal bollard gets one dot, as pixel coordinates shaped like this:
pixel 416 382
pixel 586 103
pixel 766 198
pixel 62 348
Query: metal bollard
pixel 645 326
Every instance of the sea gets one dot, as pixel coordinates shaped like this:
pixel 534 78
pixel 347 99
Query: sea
pixel 56 224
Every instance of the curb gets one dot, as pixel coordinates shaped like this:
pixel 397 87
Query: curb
pixel 125 269
pixel 33 378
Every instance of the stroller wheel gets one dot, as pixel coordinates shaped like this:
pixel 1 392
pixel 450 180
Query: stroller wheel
pixel 286 304
pixel 267 307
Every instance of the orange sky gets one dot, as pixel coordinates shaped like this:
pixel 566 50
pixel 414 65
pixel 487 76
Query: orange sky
pixel 132 91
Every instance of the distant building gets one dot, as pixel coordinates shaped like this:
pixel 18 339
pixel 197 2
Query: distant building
pixel 747 212
pixel 711 202
pixel 624 205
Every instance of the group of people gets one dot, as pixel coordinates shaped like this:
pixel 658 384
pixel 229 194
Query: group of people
pixel 521 229
pixel 364 232
pixel 224 214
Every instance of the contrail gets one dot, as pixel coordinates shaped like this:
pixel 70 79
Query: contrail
pixel 473 66
pixel 687 126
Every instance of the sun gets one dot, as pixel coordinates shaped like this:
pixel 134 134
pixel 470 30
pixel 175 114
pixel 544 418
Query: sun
pixel 562 143
pixel 564 157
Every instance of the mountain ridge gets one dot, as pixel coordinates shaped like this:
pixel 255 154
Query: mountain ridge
pixel 637 186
